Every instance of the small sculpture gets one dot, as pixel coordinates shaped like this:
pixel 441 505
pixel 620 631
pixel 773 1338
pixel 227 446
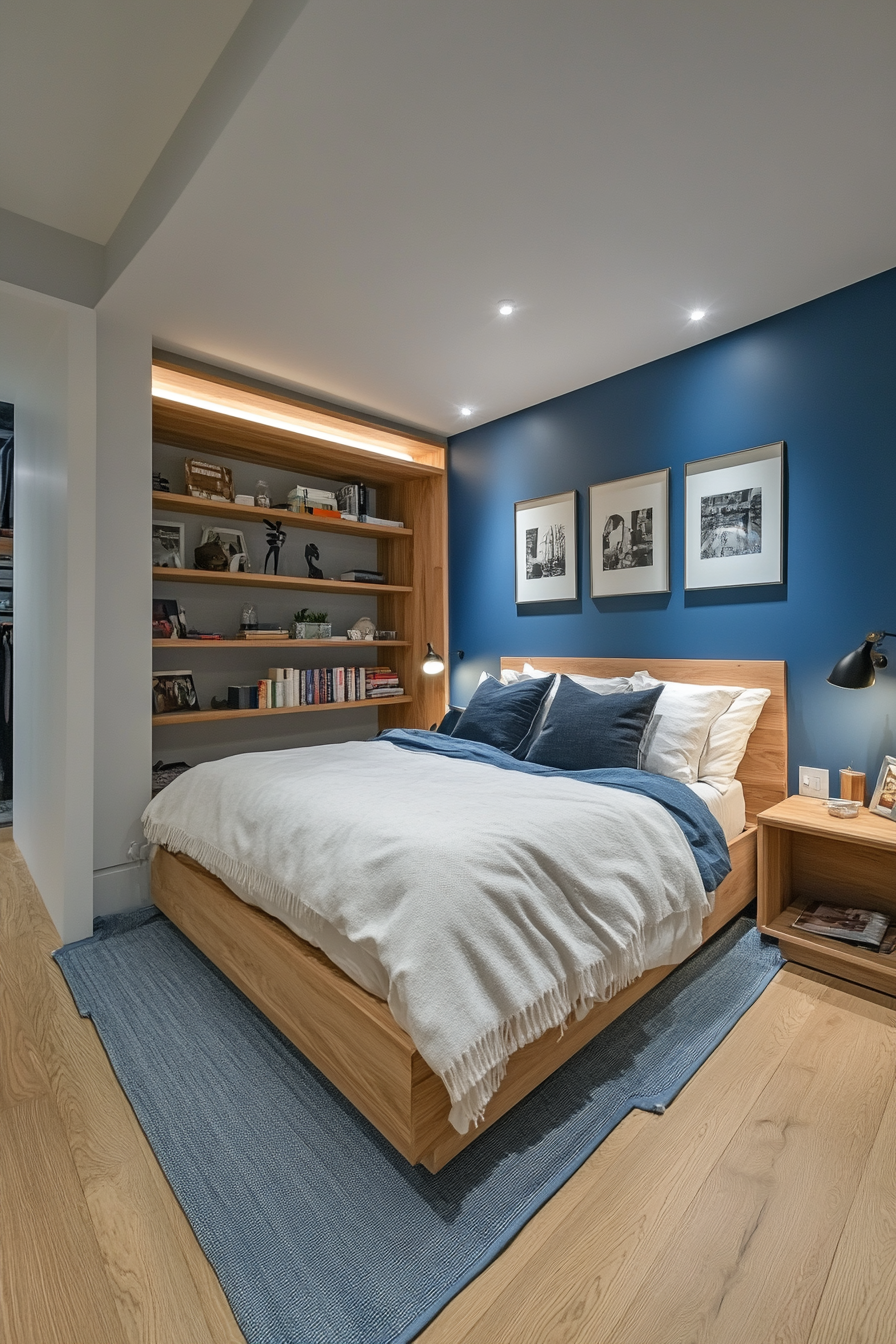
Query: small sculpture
pixel 276 539
pixel 211 555
pixel 312 554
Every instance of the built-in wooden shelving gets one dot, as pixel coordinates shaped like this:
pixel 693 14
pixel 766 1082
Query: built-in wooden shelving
pixel 292 644
pixel 162 500
pixel 274 581
pixel 219 417
pixel 210 715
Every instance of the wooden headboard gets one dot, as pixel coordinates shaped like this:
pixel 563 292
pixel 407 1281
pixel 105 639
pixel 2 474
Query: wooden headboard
pixel 763 770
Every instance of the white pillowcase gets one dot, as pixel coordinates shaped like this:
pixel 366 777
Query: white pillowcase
pixel 600 685
pixel 728 738
pixel 674 739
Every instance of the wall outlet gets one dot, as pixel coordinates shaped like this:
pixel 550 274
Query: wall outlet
pixel 814 783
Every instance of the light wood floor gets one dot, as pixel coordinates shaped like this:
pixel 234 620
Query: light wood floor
pixel 761 1207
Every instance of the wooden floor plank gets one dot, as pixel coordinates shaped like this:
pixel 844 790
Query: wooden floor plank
pixel 164 1287
pixel 53 1284
pixel 858 1305
pixel 574 1276
pixel 810 1131
pixel 22 1072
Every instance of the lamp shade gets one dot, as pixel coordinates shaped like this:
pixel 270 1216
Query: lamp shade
pixel 432 663
pixel 856 670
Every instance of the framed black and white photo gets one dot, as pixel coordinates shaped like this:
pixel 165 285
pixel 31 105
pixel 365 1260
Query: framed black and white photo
pixel 545 545
pixel 630 535
pixel 734 519
pixel 883 800
pixel 168 545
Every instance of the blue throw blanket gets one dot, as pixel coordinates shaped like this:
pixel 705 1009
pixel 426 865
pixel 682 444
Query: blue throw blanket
pixel 701 830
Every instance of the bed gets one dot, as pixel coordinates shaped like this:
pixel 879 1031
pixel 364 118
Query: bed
pixel 349 1032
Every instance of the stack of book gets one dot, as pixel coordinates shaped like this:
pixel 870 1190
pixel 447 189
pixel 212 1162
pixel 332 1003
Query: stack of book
pixel 304 499
pixel 258 635
pixel 381 683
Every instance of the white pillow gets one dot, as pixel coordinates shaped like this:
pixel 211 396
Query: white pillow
pixel 728 738
pixel 600 685
pixel 676 735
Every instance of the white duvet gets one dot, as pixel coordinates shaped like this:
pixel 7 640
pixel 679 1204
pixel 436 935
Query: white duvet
pixel 495 903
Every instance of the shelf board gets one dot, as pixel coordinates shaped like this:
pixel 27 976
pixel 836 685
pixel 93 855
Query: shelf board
pixel 293 644
pixel 163 501
pixel 213 715
pixel 159 572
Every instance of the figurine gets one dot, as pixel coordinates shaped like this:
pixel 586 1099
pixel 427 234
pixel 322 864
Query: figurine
pixel 312 554
pixel 276 539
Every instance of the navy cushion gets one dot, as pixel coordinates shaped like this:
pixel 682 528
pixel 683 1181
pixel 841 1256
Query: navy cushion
pixel 449 723
pixel 585 731
pixel 503 716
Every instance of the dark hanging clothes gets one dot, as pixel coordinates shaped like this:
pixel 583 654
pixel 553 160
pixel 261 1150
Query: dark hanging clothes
pixel 6 711
pixel 6 464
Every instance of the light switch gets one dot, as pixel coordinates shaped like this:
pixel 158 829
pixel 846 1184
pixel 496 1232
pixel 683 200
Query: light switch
pixel 814 783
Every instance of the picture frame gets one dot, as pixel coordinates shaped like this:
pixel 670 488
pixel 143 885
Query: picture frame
pixel 629 534
pixel 734 519
pixel 545 554
pixel 232 541
pixel 168 545
pixel 883 800
pixel 174 693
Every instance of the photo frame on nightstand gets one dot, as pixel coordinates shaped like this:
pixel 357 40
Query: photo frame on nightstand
pixel 883 800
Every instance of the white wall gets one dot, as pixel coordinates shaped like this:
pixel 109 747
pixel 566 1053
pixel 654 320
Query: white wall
pixel 123 763
pixel 48 371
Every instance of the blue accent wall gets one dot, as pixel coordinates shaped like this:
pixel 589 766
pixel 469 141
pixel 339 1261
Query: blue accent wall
pixel 822 377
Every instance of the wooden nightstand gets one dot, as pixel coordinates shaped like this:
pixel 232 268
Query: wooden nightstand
pixel 806 855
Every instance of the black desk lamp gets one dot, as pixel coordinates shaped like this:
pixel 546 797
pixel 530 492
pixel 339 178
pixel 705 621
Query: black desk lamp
pixel 856 671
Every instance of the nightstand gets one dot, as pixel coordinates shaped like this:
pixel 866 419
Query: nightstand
pixel 805 854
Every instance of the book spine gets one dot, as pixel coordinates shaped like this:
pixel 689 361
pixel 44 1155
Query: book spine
pixel 340 684
pixel 289 698
pixel 263 694
pixel 253 697
pixel 349 683
pixel 321 695
pixel 329 700
pixel 362 683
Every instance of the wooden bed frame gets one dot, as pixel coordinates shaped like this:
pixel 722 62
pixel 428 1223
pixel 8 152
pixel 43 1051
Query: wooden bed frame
pixel 351 1036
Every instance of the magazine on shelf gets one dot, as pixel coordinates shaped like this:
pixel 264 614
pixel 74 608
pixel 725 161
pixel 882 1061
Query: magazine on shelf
pixel 847 923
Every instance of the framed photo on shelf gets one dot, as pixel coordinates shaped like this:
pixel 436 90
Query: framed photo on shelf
pixel 173 693
pixel 629 526
pixel 545 548
pixel 168 545
pixel 883 800
pixel 734 519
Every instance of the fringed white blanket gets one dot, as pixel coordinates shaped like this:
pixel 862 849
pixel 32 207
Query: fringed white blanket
pixel 486 906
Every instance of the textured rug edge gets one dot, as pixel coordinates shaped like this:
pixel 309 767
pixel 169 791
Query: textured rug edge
pixel 656 1104
pixel 108 927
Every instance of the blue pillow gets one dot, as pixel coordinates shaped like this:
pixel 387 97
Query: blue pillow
pixel 503 716
pixel 585 731
pixel 449 723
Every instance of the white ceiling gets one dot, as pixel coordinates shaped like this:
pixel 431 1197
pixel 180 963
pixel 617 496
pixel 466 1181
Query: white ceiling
pixel 90 91
pixel 401 167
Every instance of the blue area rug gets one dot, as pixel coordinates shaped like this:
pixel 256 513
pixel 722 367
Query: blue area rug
pixel 318 1231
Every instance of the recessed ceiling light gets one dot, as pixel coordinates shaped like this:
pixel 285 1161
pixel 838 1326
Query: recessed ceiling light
pixel 505 309
pixel 466 410
pixel 698 314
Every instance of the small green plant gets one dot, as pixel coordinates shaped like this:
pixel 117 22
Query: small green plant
pixel 306 617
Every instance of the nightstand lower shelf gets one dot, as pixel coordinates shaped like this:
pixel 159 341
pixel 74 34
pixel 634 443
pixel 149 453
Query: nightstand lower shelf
pixel 804 855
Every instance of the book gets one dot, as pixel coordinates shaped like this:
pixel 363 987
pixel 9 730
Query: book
pixel 888 946
pixel 363 576
pixel 385 692
pixel 847 923
pixel 380 522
